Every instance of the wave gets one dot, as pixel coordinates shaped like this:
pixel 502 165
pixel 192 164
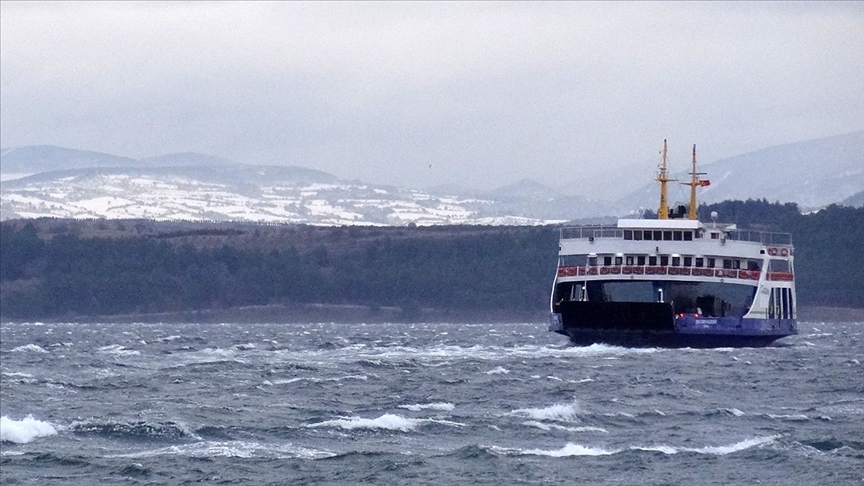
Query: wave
pixel 799 417
pixel 446 407
pixel 548 427
pixel 315 380
pixel 387 421
pixel 24 430
pixel 565 412
pixel 238 449
pixel 134 430
pixel 35 348
pixel 498 371
pixel 118 350
pixel 579 450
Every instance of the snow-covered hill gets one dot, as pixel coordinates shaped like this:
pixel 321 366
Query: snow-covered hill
pixel 56 182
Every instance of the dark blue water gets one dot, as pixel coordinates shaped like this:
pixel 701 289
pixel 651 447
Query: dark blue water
pixel 422 404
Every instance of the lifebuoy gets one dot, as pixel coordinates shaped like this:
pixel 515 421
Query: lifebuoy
pixel 673 271
pixel 604 270
pixel 719 273
pixel 592 271
pixel 638 270
pixel 649 270
pixel 784 252
pixel 626 270
pixel 571 271
pixel 772 251
pixel 562 272
pixel 744 274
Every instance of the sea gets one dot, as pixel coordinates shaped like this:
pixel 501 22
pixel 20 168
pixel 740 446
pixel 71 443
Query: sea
pixel 425 403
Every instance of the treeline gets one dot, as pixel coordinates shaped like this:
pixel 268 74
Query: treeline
pixel 49 274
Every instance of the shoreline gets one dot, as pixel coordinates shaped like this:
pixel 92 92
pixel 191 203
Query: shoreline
pixel 356 314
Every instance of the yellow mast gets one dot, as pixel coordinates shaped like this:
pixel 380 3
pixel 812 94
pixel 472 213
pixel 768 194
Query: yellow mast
pixel 662 177
pixel 694 183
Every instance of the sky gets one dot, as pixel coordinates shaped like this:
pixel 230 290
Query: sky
pixel 420 94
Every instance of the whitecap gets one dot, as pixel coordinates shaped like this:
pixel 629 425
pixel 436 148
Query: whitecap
pixel 118 350
pixel 735 412
pixel 498 371
pixel 548 427
pixel 238 449
pixel 387 421
pixel 738 446
pixel 793 417
pixel 565 412
pixel 24 430
pixel 29 347
pixel 446 407
pixel 570 450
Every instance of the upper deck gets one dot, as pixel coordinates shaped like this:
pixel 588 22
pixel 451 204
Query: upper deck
pixel 673 230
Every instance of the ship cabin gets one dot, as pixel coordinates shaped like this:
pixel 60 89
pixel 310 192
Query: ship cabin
pixel 701 269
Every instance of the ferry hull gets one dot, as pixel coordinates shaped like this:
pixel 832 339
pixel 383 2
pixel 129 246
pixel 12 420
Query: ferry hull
pixel 636 324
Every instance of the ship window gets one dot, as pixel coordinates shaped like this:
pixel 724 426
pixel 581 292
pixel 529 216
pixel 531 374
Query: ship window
pixel 753 265
pixel 628 234
pixel 700 262
pixel 711 263
pixel 727 263
pixel 667 235
pixel 715 236
pixel 688 261
pixel 592 261
pixel 676 261
pixel 619 260
pixel 652 260
pixel 664 261
pixel 637 235
pixel 688 236
pixel 677 236
pixel 736 264
pixel 658 235
pixel 640 260
pixel 629 260
pixel 572 261
pixel 778 266
pixel 607 260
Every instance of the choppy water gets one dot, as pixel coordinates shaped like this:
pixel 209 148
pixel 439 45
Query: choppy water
pixel 422 404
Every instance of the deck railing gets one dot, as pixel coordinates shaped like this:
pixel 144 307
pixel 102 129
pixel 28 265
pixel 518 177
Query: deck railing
pixel 613 232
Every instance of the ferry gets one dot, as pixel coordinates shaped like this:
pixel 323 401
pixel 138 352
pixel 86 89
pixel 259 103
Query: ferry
pixel 674 281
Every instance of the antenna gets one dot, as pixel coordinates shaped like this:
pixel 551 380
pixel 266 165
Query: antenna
pixel 694 183
pixel 663 178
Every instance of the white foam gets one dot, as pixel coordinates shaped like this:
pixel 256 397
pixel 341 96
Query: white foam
pixel 240 449
pixel 565 412
pixel 498 371
pixel 794 417
pixel 29 347
pixel 570 450
pixel 547 427
pixel 24 430
pixel 738 446
pixel 579 450
pixel 387 421
pixel 118 350
pixel 446 407
pixel 735 412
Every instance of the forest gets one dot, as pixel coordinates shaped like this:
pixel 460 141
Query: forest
pixel 65 269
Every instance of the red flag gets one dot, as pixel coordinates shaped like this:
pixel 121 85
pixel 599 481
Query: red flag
pixel 704 183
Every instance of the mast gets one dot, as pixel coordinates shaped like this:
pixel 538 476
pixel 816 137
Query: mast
pixel 663 178
pixel 694 183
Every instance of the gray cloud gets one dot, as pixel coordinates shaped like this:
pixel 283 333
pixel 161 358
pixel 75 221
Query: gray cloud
pixel 480 94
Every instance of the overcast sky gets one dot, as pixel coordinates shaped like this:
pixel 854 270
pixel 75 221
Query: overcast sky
pixel 418 94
